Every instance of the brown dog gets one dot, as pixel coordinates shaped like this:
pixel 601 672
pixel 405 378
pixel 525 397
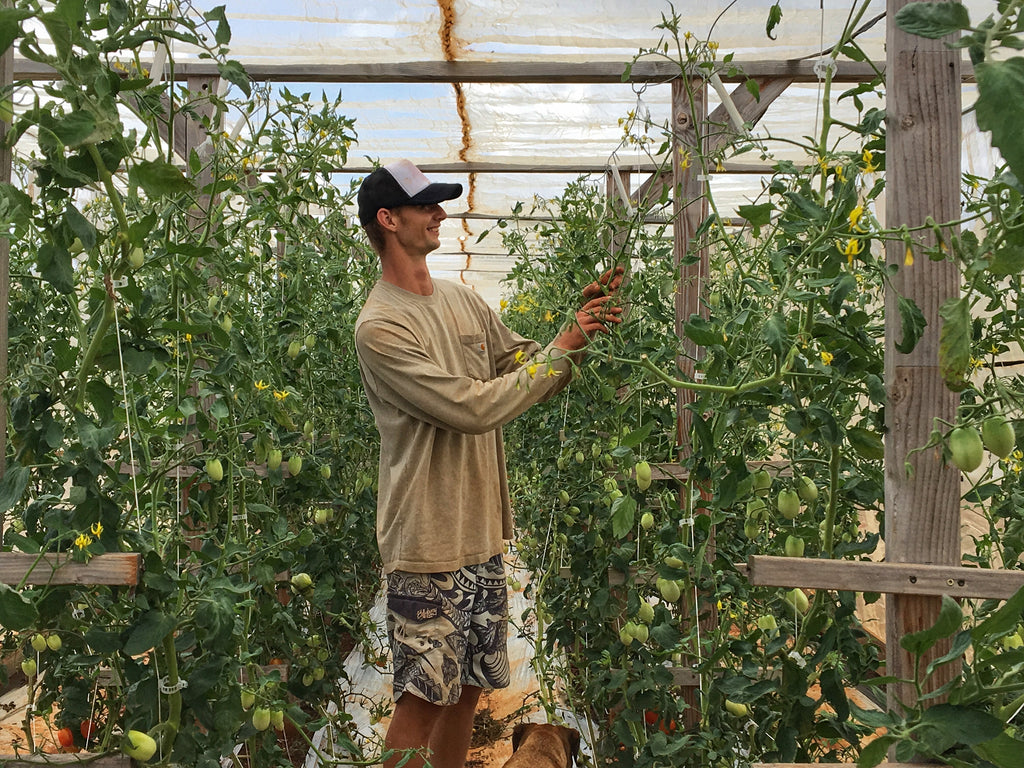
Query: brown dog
pixel 541 745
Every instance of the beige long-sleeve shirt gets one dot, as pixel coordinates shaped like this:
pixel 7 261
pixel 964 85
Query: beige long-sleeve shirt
pixel 442 375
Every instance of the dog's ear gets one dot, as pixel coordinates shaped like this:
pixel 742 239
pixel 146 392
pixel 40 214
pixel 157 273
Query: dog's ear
pixel 518 733
pixel 574 745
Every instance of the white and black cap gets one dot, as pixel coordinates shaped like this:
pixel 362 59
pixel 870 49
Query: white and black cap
pixel 397 184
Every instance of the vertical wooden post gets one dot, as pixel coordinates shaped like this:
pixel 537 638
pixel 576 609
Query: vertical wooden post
pixel 922 507
pixel 690 208
pixel 6 158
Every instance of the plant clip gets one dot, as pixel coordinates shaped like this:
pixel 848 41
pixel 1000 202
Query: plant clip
pixel 167 689
pixel 120 282
pixel 825 65
pixel 686 521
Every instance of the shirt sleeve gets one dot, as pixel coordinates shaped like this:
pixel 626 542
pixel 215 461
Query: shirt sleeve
pixel 403 375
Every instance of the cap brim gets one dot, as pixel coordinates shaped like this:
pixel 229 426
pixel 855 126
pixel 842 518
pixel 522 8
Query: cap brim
pixel 436 193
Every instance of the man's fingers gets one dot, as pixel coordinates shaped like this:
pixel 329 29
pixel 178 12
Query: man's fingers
pixel 608 282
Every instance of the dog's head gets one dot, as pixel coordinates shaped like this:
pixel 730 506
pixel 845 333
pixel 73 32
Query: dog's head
pixel 568 737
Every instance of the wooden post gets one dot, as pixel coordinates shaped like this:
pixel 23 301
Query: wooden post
pixel 922 507
pixel 6 158
pixel 690 208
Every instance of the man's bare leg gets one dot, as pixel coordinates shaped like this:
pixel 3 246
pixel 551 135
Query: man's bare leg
pixel 446 731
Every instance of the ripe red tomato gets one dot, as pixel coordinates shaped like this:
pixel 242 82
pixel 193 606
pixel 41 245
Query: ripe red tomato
pixel 66 739
pixel 88 729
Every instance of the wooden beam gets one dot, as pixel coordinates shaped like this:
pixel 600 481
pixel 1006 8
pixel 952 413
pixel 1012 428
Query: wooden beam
pixel 120 568
pixel 847 765
pixel 922 492
pixel 799 70
pixel 83 758
pixel 889 578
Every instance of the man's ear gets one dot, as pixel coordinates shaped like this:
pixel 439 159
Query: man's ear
pixel 386 219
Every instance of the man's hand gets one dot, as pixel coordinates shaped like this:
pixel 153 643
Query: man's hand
pixel 591 318
pixel 606 285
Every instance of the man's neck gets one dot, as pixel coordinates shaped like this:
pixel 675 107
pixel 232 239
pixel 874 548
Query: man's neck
pixel 408 274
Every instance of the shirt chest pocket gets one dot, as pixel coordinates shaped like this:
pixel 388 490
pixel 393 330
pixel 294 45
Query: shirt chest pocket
pixel 476 355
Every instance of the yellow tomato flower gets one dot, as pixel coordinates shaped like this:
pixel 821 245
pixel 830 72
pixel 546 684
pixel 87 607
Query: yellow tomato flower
pixel 261 385
pixel 548 316
pixel 83 540
pixel 840 173
pixel 855 216
pixel 552 372
pixel 188 338
pixel 520 356
pixel 868 158
pixel 827 357
pixel 280 394
pixel 532 369
pixel 908 257
pixel 503 305
pixel 97 529
pixel 853 247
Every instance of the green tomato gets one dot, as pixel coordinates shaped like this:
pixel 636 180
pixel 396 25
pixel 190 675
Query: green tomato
pixel 136 257
pixel 788 503
pixel 277 718
pixel 998 436
pixel 302 582
pixel 646 612
pixel 767 623
pixel 273 459
pixel 794 546
pixel 215 470
pixel 737 709
pixel 325 471
pixel 53 642
pixel 647 521
pixel 28 666
pixel 247 698
pixel 294 464
pixel 966 448
pixel 294 349
pixel 261 718
pixel 226 323
pixel 806 489
pixel 670 591
pixel 643 475
pixel 38 643
pixel 139 746
pixel 762 482
pixel 796 598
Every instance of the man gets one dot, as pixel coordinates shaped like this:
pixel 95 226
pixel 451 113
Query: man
pixel 442 375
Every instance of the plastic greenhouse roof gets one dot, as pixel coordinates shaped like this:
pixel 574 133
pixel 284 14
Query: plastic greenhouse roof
pixel 530 125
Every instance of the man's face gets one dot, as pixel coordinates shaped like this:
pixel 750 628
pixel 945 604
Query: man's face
pixel 419 227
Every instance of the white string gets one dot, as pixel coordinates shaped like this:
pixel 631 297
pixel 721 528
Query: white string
pixel 127 417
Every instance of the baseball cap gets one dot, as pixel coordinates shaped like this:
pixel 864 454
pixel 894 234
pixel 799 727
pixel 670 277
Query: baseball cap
pixel 400 183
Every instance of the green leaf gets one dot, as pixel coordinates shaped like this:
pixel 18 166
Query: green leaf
pixel 955 342
pixel 222 32
pixel 1002 620
pixel 912 322
pixel 948 622
pixel 235 73
pixel 758 215
pixel 1000 110
pixel 74 129
pixel 12 487
pixel 1003 751
pixel 102 640
pixel 966 725
pixel 158 179
pixel 16 611
pixel 15 205
pixel 774 17
pixel 874 752
pixel 623 515
pixel 753 88
pixel 55 267
pixel 702 333
pixel 151 629
pixel 933 20
pixel 80 226
pixel 10 25
pixel 1008 260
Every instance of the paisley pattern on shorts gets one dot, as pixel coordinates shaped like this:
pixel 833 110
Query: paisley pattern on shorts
pixel 448 630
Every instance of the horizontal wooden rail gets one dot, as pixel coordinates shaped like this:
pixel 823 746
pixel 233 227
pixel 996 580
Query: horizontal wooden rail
pixel 120 568
pixel 891 578
pixel 804 765
pixel 85 758
pixel 515 72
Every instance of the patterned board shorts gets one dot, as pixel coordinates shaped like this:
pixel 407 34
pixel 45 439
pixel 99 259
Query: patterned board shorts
pixel 448 630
